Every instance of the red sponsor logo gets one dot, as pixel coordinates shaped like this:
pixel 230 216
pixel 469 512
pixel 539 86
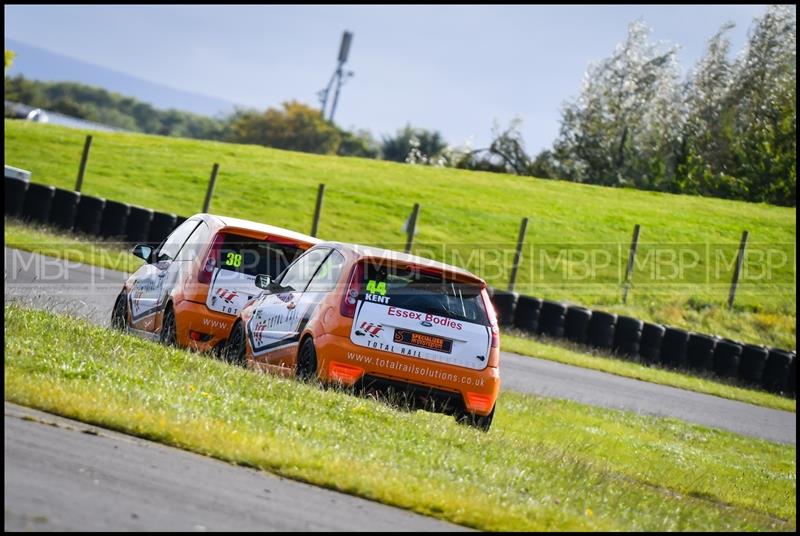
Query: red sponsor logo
pixel 371 329
pixel 227 295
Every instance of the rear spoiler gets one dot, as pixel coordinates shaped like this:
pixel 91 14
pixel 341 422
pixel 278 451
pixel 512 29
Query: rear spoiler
pixel 451 274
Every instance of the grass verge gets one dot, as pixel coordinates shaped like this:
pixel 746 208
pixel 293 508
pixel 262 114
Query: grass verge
pixel 576 246
pixel 69 246
pixel 546 464
pixel 582 356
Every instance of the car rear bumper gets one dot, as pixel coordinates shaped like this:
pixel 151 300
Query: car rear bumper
pixel 341 360
pixel 200 328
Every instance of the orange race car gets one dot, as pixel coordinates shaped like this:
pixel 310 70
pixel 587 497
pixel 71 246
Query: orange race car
pixel 194 283
pixel 377 319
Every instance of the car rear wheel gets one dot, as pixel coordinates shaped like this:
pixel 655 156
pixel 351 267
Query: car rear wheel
pixel 168 330
pixel 481 422
pixel 307 361
pixel 235 346
pixel 119 314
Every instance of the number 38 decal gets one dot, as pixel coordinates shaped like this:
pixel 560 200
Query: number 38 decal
pixel 233 259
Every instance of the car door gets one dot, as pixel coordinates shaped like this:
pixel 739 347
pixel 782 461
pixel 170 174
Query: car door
pixel 152 286
pixel 279 317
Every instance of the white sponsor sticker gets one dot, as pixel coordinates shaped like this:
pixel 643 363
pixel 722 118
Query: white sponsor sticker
pixel 421 335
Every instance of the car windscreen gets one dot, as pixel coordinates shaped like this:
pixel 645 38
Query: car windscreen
pixel 424 292
pixel 253 257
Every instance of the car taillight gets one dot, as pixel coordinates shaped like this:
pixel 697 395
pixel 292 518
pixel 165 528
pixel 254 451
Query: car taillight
pixel 350 298
pixel 487 302
pixel 207 271
pixel 495 336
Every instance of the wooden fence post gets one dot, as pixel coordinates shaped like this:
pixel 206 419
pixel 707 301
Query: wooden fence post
pixel 210 191
pixel 317 210
pixel 518 254
pixel 737 269
pixel 87 146
pixel 631 259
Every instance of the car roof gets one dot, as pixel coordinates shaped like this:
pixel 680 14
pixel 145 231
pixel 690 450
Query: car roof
pixel 228 221
pixel 380 253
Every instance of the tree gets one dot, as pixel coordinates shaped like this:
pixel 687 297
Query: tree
pixel 295 127
pixel 9 58
pixel 706 159
pixel 358 143
pixel 419 144
pixel 624 125
pixel 764 90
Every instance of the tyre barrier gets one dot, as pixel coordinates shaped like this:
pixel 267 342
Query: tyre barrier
pixel 627 336
pixel 526 315
pixel 138 228
pixel 551 318
pixel 752 362
pixel 650 343
pixel 38 201
pixel 776 370
pixel 700 351
pixel 64 209
pixel 673 347
pixel 727 355
pixel 160 227
pixel 504 303
pixel 792 375
pixel 115 219
pixel 601 329
pixel 89 215
pixel 576 324
pixel 15 196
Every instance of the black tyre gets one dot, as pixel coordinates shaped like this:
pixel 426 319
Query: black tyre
pixel 700 351
pixel 138 228
pixel 64 209
pixel 160 227
pixel 552 318
pixel 601 329
pixel 481 422
pixel 650 344
pixel 673 347
pixel 115 219
pixel 576 324
pixel 89 215
pixel 168 327
pixel 526 315
pixel 38 202
pixel 726 358
pixel 119 314
pixel 15 190
pixel 792 384
pixel 234 351
pixel 504 303
pixel 776 370
pixel 752 362
pixel 627 336
pixel 306 368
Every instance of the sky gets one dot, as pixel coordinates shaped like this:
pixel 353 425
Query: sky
pixel 456 69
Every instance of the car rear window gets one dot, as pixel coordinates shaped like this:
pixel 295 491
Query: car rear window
pixel 253 257
pixel 424 292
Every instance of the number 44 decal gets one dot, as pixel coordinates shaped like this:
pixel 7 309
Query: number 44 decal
pixel 376 288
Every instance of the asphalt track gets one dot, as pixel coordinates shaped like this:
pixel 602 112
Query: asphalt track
pixel 66 475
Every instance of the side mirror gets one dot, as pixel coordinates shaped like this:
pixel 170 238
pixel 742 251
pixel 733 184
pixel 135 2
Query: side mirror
pixel 263 281
pixel 143 252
